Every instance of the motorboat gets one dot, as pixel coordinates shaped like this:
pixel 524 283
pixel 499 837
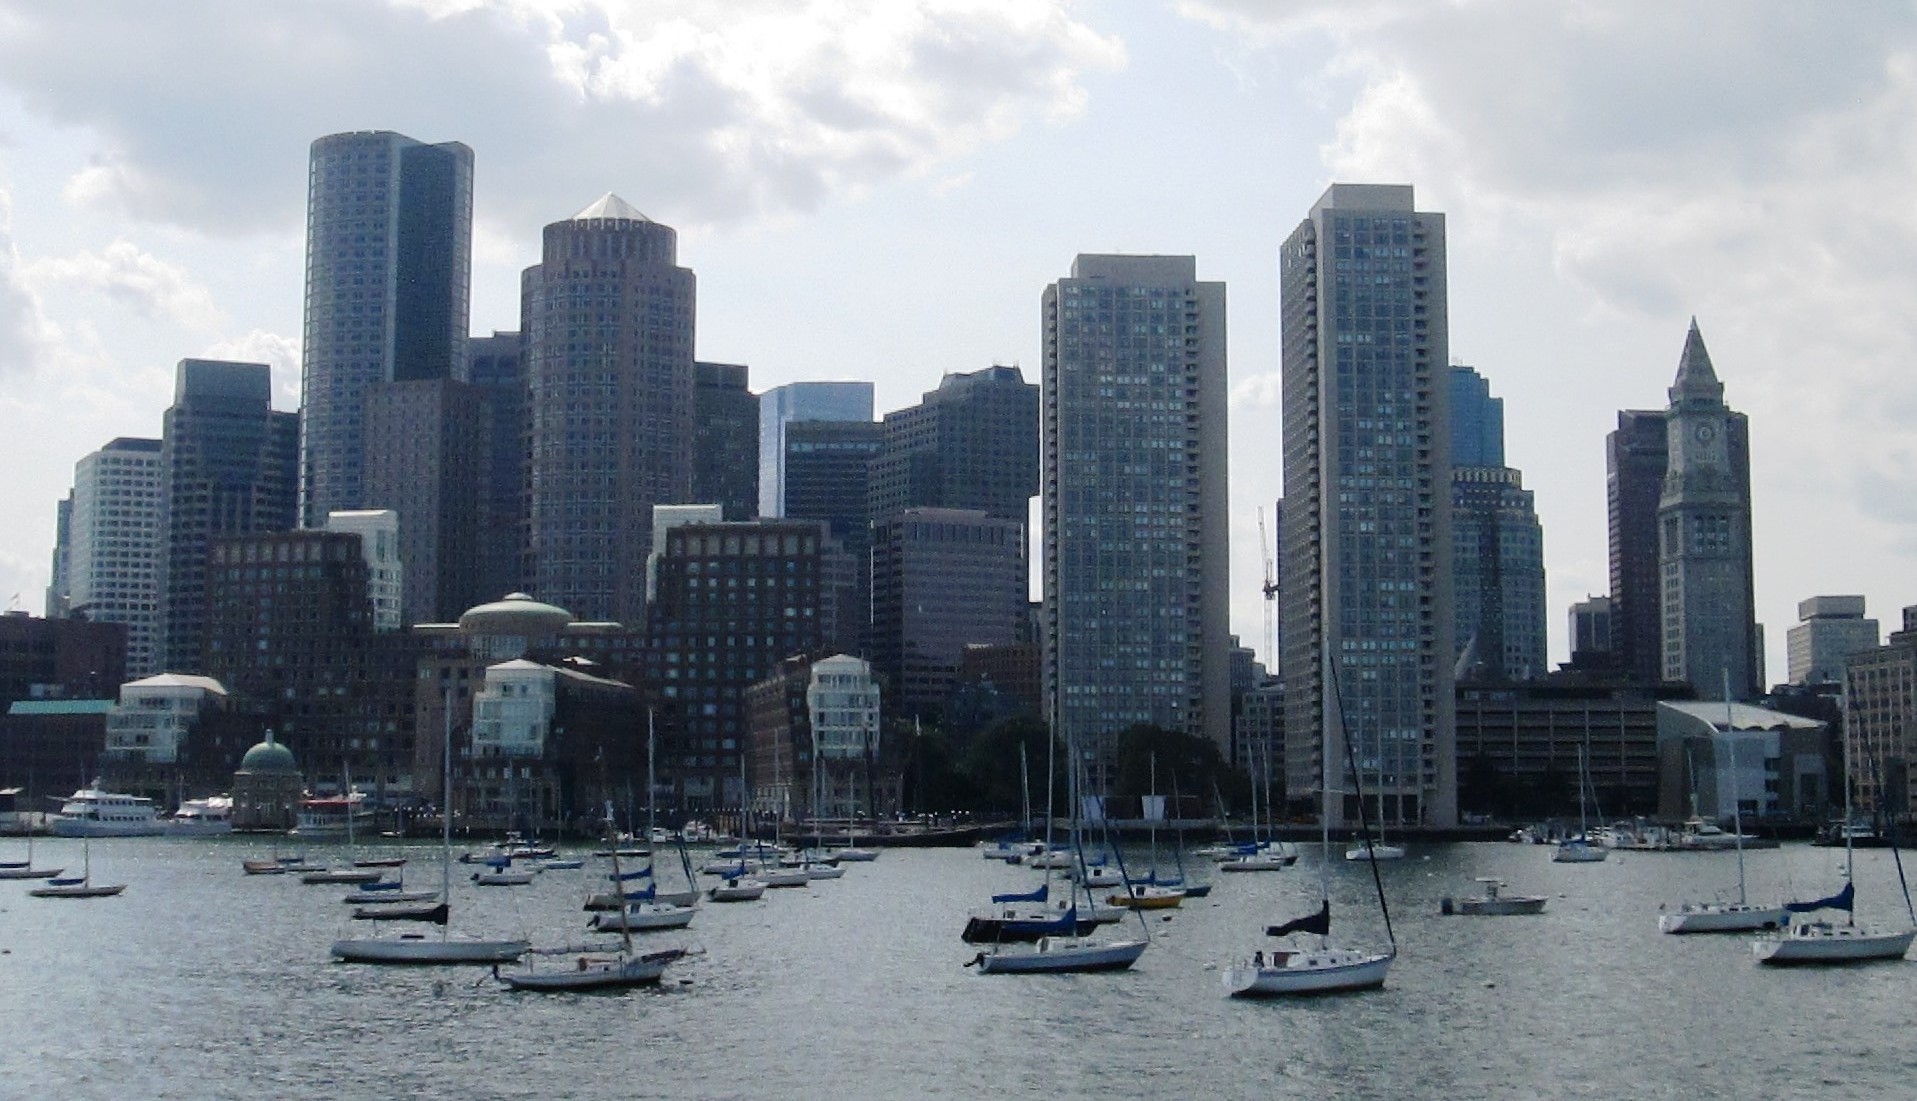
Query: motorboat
pixel 1494 902
pixel 1377 850
pixel 326 818
pixel 91 812
pixel 207 817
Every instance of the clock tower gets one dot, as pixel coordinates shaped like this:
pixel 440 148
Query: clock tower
pixel 1709 629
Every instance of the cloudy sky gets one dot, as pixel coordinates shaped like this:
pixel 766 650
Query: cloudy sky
pixel 881 189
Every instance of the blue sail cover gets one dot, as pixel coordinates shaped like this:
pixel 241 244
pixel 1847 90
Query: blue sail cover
pixel 1028 896
pixel 1842 900
pixel 644 895
pixel 640 874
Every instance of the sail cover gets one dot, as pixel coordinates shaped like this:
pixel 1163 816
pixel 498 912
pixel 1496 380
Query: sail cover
pixel 1028 896
pixel 1842 900
pixel 1319 923
pixel 640 874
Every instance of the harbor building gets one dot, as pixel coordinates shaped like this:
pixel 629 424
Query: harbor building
pixel 609 344
pixel 1520 744
pixel 1136 556
pixel 171 737
pixel 59 658
pixel 1365 538
pixel 1713 755
pixel 229 466
pixel 388 268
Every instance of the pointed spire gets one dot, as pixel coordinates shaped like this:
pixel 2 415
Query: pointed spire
pixel 1695 376
pixel 610 206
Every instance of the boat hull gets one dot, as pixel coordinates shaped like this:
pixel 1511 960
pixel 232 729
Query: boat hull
pixel 1502 906
pixel 78 891
pixel 643 919
pixel 1710 918
pixel 598 973
pixel 30 873
pixel 1375 852
pixel 428 950
pixel 83 827
pixel 1066 955
pixel 1327 971
pixel 1823 944
pixel 1579 853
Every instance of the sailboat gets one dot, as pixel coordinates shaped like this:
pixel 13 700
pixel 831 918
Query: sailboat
pixel 1579 850
pixel 349 872
pixel 1260 854
pixel 1726 917
pixel 1370 847
pixel 24 869
pixel 81 886
pixel 1826 942
pixel 593 969
pixel 741 887
pixel 1322 969
pixel 643 910
pixel 417 947
pixel 1149 894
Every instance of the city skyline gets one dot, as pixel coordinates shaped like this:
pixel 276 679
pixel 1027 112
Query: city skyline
pixel 1587 226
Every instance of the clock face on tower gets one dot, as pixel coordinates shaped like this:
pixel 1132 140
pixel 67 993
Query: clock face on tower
pixel 1705 432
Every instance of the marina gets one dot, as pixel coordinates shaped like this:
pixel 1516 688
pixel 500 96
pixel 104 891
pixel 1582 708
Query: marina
pixel 237 993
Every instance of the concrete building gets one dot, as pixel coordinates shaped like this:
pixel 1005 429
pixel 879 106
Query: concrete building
pixel 1770 764
pixel 1497 543
pixel 942 580
pixel 725 464
pixel 1880 725
pixel 59 658
pixel 59 576
pixel 427 456
pixel 267 788
pixel 1591 632
pixel 1366 541
pixel 388 269
pixel 1709 612
pixel 116 547
pixel 609 333
pixel 52 746
pixel 664 519
pixel 173 736
pixel 1830 629
pixel 378 531
pixel 1137 569
pixel 229 466
pixel 800 401
pixel 1519 746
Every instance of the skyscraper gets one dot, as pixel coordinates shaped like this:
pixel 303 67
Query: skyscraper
pixel 1498 545
pixel 725 463
pixel 229 467
pixel 970 444
pixel 428 444
pixel 496 364
pixel 1366 532
pixel 115 546
pixel 800 401
pixel 1704 539
pixel 1136 559
pixel 1831 628
pixel 942 579
pixel 609 330
pixel 388 263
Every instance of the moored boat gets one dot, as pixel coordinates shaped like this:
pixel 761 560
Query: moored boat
pixel 91 812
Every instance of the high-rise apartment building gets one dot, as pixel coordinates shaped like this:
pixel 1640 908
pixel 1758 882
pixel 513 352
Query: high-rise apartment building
pixel 1136 627
pixel 725 461
pixel 378 531
pixel 388 268
pixel 609 331
pixel 230 466
pixel 800 401
pixel 115 546
pixel 1704 539
pixel 1498 544
pixel 59 577
pixel 1366 541
pixel 942 580
pixel 1830 629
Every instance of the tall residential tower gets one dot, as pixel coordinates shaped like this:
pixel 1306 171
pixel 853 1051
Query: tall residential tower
pixel 1366 531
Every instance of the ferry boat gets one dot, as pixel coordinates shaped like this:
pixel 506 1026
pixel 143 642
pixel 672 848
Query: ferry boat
pixel 206 817
pixel 91 812
pixel 323 818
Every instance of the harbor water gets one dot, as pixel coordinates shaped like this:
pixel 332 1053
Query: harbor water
pixel 200 982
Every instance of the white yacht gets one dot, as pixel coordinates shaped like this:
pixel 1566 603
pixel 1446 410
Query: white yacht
pixel 206 817
pixel 91 812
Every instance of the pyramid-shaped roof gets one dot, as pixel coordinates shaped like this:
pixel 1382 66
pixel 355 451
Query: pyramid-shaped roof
pixel 610 206
pixel 1695 375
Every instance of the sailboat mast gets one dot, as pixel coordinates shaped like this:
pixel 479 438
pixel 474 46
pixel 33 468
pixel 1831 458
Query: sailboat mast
pixel 1328 699
pixel 446 803
pixel 650 791
pixel 1737 802
pixel 1849 728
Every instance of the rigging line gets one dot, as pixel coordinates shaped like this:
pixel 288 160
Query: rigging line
pixel 1351 760
pixel 1890 834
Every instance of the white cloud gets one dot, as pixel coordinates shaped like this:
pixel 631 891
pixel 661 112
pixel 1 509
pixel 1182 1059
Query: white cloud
pixel 136 279
pixel 26 336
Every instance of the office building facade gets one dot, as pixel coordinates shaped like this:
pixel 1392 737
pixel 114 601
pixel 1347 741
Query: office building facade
pixel 115 546
pixel 496 366
pixel 942 580
pixel 725 463
pixel 388 271
pixel 1366 541
pixel 1829 630
pixel 609 320
pixel 1497 543
pixel 1136 626
pixel 800 401
pixel 427 455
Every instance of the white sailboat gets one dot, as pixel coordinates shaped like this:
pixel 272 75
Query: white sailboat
pixel 594 969
pixel 24 869
pixel 1579 850
pixel 644 910
pixel 741 887
pixel 1726 917
pixel 418 947
pixel 1818 943
pixel 81 886
pixel 1323 968
pixel 1369 846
